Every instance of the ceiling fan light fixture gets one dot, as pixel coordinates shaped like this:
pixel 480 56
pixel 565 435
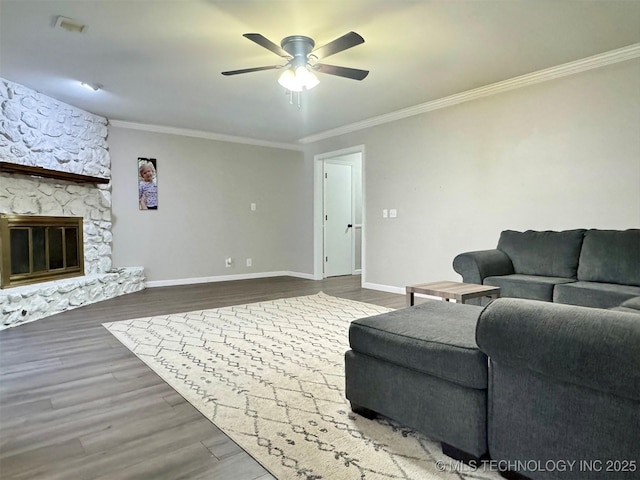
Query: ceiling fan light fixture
pixel 299 79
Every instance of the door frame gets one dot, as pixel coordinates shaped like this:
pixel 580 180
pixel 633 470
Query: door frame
pixel 318 209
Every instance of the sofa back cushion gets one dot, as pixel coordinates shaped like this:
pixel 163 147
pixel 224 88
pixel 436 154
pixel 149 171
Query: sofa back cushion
pixel 551 254
pixel 611 256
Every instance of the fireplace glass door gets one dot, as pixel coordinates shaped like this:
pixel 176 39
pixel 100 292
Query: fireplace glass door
pixel 37 249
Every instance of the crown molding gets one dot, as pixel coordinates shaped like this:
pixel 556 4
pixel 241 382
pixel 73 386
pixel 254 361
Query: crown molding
pixel 185 132
pixel 596 61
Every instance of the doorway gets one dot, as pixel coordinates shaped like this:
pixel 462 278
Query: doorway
pixel 338 221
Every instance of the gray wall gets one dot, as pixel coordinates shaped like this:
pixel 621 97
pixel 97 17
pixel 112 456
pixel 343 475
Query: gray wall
pixel 205 190
pixel 557 155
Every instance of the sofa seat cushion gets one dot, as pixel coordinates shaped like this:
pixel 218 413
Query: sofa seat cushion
pixel 594 294
pixel 611 256
pixel 550 254
pixel 633 303
pixel 626 310
pixel 436 338
pixel 630 306
pixel 533 287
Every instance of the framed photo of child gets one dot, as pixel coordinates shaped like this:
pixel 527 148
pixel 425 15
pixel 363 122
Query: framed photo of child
pixel 147 184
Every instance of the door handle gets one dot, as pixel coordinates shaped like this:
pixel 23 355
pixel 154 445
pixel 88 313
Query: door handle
pixel 349 225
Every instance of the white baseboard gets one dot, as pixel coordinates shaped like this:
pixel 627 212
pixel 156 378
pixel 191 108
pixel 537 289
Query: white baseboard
pixel 307 276
pixel 384 288
pixel 226 278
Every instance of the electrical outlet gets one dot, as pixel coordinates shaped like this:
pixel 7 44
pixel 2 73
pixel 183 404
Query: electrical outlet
pixel 249 262
pixel 228 262
pixel 393 213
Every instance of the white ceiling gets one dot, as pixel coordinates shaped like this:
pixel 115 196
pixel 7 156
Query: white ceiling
pixel 159 61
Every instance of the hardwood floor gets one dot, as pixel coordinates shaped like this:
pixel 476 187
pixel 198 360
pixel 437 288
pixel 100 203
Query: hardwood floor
pixel 76 404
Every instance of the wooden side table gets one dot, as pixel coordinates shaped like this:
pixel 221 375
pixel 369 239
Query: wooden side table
pixel 460 292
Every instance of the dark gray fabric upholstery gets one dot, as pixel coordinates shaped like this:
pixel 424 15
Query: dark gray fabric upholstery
pixel 440 409
pixel 476 266
pixel 611 256
pixel 564 384
pixel 550 254
pixel 632 303
pixel 604 266
pixel 532 418
pixel 593 294
pixel 534 287
pixel 437 338
pixel 595 348
pixel 631 306
pixel 626 309
pixel 421 367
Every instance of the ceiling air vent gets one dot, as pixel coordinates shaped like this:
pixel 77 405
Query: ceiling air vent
pixel 70 25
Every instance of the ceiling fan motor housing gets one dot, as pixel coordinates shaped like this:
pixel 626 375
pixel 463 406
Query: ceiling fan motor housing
pixel 299 47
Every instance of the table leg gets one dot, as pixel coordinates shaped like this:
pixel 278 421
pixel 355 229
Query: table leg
pixel 410 299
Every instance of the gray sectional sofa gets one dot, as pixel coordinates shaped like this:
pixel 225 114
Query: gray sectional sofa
pixel 592 268
pixel 545 385
pixel 535 386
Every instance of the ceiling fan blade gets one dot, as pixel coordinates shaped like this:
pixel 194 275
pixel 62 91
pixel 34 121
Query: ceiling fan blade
pixel 266 43
pixel 353 73
pixel 249 70
pixel 346 41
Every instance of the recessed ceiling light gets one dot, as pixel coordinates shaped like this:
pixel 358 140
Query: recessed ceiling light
pixel 89 86
pixel 70 25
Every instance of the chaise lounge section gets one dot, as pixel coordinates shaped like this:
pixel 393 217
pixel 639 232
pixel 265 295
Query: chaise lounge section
pixel 421 366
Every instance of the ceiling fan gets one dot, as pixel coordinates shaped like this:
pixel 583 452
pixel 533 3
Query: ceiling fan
pixel 302 59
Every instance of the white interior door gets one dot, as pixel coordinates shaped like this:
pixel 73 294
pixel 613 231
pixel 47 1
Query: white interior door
pixel 338 222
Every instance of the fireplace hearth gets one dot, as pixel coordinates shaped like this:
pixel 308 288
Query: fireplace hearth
pixel 39 249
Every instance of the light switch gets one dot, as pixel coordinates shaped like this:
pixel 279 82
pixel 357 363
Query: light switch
pixel 253 207
pixel 393 213
pixel 385 213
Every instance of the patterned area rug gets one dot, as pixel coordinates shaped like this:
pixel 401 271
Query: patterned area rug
pixel 271 376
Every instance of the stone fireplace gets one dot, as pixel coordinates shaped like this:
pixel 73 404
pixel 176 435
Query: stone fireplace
pixel 68 145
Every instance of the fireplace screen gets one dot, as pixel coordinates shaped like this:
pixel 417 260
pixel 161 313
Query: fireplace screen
pixel 38 249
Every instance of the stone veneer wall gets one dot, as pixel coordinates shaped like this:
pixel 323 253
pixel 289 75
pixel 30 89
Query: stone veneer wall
pixel 40 131
pixel 25 195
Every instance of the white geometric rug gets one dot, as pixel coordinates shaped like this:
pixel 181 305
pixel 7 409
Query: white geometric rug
pixel 271 376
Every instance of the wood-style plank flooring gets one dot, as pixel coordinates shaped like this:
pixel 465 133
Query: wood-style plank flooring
pixel 76 404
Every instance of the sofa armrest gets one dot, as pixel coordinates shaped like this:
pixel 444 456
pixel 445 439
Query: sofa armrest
pixel 476 266
pixel 591 347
